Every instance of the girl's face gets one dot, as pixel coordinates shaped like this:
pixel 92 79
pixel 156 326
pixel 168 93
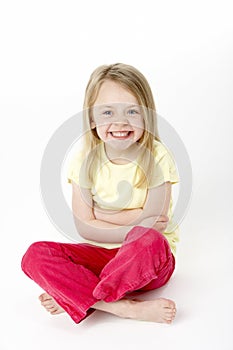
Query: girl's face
pixel 117 116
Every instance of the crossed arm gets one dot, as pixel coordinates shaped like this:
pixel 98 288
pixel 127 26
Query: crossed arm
pixel 111 226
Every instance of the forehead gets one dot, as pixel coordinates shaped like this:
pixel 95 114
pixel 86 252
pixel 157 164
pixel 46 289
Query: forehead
pixel 113 92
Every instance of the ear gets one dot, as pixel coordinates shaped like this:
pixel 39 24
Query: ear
pixel 92 124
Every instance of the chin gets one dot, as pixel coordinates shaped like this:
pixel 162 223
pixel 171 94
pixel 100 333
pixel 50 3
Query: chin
pixel 120 145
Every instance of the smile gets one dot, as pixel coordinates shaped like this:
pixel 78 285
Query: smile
pixel 121 134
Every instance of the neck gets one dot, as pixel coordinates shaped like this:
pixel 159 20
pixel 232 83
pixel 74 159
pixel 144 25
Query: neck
pixel 125 156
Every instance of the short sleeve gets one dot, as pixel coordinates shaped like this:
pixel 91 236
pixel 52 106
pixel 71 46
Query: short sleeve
pixel 74 168
pixel 165 169
pixel 77 170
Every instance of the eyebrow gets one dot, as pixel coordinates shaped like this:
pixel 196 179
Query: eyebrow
pixel 106 106
pixel 133 106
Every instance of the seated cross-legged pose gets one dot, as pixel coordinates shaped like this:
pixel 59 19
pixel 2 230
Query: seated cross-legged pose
pixel 122 204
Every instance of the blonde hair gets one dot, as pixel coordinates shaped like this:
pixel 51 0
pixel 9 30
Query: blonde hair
pixel 135 82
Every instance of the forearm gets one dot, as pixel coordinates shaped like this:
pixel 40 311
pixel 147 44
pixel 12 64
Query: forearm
pixel 113 226
pixel 107 232
pixel 119 217
pixel 128 217
pixel 101 231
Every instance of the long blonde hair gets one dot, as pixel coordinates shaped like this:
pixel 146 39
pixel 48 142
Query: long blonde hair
pixel 135 82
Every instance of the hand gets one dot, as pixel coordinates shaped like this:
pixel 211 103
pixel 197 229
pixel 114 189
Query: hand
pixel 159 223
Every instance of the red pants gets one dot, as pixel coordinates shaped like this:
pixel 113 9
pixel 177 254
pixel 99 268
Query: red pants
pixel 79 275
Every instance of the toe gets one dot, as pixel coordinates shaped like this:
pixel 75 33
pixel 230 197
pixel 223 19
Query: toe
pixel 55 312
pixel 168 312
pixel 168 316
pixel 172 305
pixel 50 307
pixel 167 320
pixel 47 303
pixel 53 309
pixel 168 303
pixel 44 297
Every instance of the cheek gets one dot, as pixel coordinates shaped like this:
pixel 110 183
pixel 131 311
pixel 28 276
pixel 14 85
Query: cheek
pixel 139 123
pixel 139 133
pixel 101 132
pixel 139 129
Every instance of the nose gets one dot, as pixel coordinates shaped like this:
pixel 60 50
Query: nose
pixel 121 121
pixel 120 118
pixel 119 125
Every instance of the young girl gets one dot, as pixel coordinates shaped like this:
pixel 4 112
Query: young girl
pixel 121 200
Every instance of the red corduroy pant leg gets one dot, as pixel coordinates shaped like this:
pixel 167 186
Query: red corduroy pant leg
pixel 79 275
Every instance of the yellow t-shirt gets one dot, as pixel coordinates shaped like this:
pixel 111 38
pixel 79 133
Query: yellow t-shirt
pixel 114 185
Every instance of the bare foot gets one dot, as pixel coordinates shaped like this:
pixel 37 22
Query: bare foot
pixel 50 304
pixel 158 310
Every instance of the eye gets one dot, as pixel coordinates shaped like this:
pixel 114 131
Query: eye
pixel 108 113
pixel 132 111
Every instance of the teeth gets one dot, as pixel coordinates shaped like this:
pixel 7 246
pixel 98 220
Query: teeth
pixel 120 133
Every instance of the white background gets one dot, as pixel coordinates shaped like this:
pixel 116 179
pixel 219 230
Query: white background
pixel 184 48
